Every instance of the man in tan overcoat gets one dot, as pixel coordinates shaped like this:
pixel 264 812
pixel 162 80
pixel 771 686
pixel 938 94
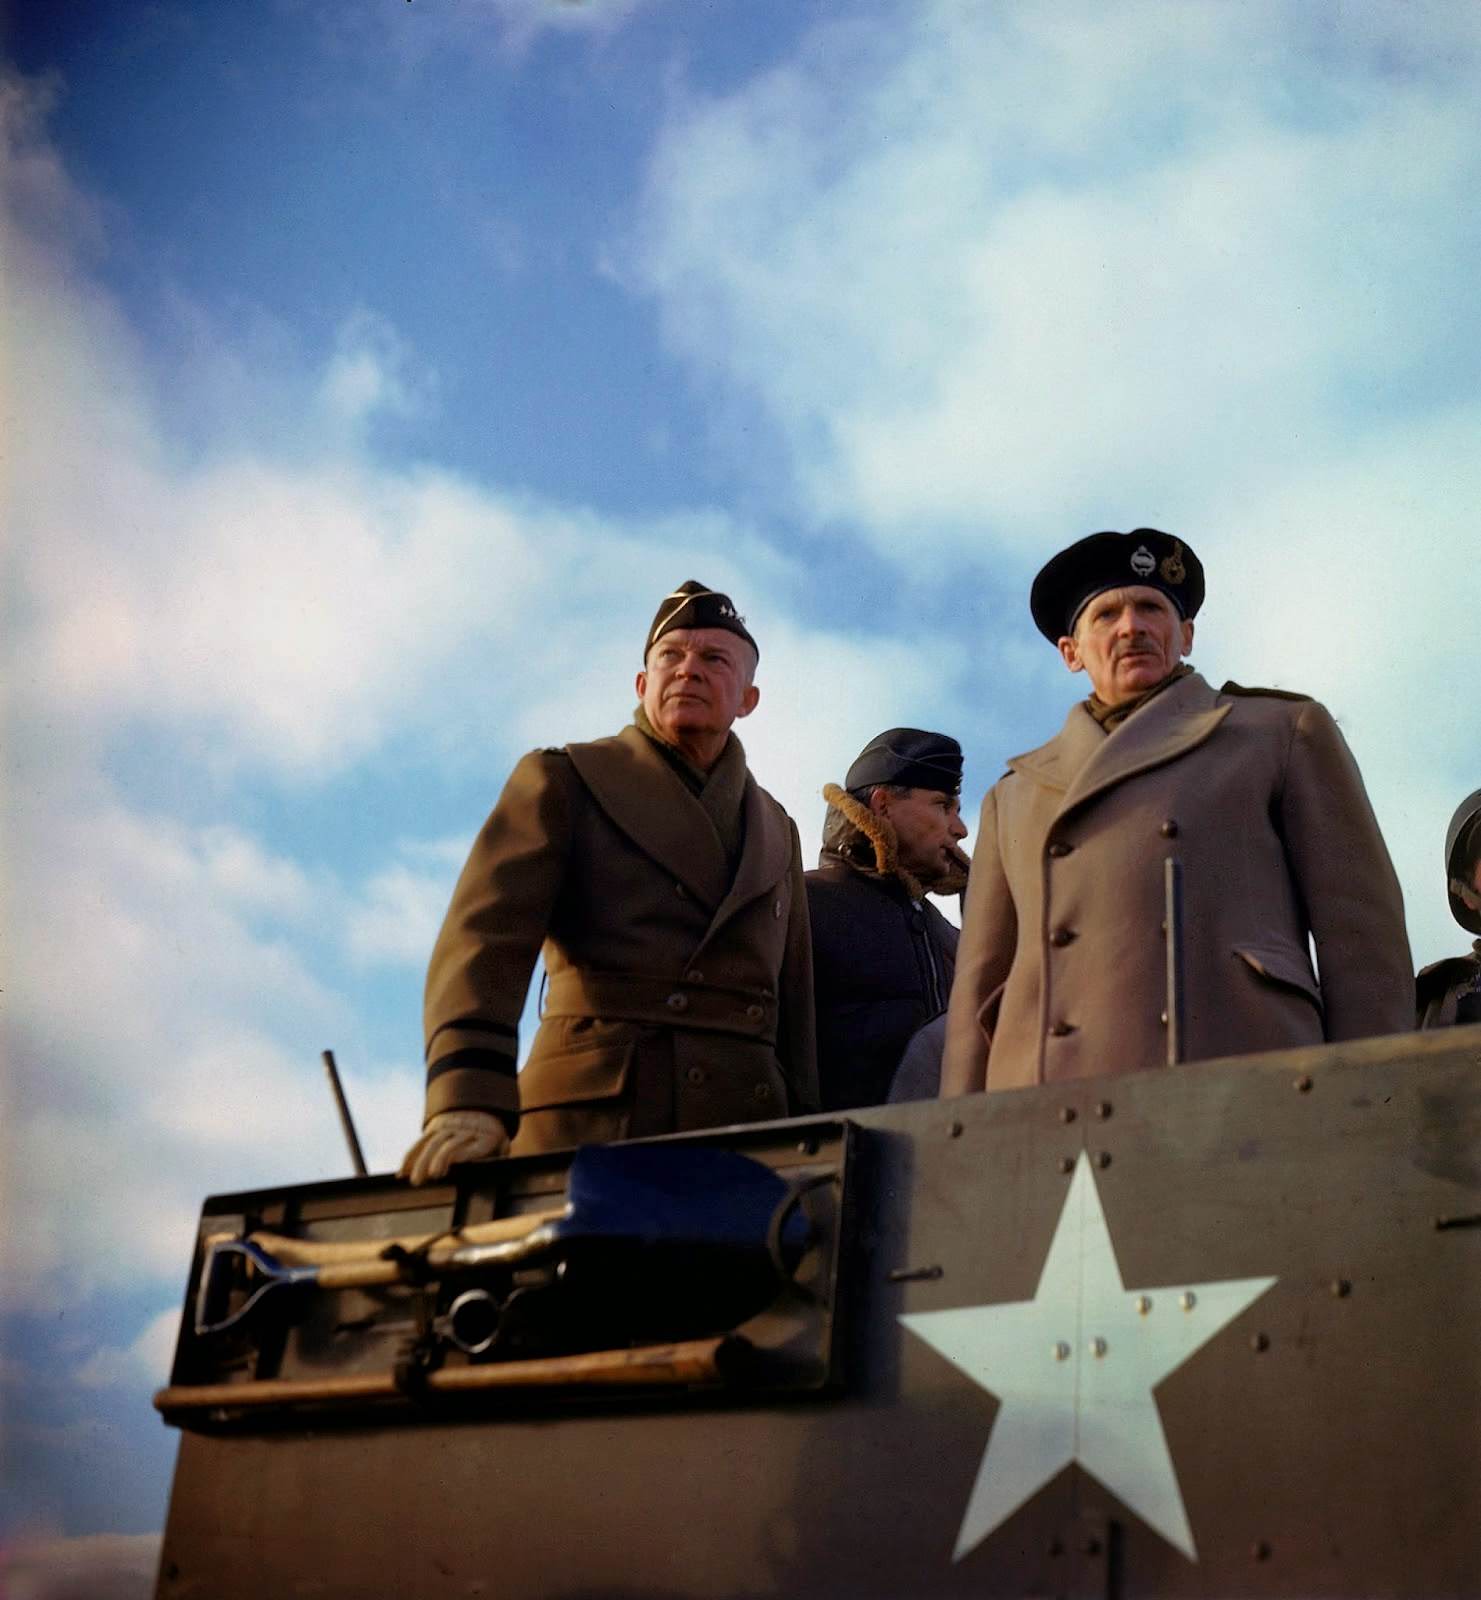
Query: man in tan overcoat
pixel 1062 966
pixel 665 889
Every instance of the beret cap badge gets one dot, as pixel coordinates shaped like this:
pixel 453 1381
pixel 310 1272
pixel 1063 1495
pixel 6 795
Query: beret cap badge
pixel 1100 561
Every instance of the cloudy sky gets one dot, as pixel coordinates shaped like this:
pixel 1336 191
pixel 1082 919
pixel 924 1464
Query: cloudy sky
pixel 371 369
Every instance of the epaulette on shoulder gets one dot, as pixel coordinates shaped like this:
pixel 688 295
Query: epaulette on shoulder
pixel 1273 694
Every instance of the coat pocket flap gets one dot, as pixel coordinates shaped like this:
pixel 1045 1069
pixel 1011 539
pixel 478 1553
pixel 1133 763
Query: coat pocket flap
pixel 1282 964
pixel 598 1071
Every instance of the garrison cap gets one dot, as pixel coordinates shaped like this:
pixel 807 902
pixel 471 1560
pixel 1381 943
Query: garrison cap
pixel 694 605
pixel 1462 847
pixel 1145 556
pixel 910 757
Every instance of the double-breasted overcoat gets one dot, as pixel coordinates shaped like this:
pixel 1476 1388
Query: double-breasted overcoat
pixel 1062 965
pixel 679 992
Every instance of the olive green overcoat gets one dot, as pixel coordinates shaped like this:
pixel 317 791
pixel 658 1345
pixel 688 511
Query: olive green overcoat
pixel 1062 970
pixel 679 996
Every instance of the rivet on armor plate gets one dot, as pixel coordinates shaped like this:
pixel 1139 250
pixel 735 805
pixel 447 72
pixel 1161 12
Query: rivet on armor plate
pixel 1143 1304
pixel 1066 1113
pixel 1103 1160
pixel 953 1130
pixel 1097 1347
pixel 1303 1085
pixel 1259 1341
pixel 1062 1351
pixel 1341 1288
pixel 1187 1299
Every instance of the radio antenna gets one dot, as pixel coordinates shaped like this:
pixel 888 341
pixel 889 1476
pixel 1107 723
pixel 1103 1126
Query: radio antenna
pixel 346 1121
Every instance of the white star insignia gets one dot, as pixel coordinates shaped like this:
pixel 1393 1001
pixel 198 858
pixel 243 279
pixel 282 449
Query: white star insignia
pixel 1075 1368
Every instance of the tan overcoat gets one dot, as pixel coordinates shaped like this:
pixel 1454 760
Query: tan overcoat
pixel 679 997
pixel 1061 969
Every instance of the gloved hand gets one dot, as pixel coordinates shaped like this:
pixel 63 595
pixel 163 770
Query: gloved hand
pixel 451 1137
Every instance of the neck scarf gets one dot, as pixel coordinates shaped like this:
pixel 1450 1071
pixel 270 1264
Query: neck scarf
pixel 1111 717
pixel 721 791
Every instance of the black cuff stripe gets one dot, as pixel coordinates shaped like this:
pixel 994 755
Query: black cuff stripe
pixel 475 1060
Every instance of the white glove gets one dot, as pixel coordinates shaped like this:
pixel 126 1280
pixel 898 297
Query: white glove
pixel 451 1137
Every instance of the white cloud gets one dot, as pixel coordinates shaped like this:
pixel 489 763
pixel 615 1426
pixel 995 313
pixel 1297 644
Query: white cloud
pixel 396 918
pixel 1026 258
pixel 371 373
pixel 100 1566
pixel 147 1358
pixel 521 22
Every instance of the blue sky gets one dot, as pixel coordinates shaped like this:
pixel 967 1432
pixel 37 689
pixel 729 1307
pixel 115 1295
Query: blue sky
pixel 373 369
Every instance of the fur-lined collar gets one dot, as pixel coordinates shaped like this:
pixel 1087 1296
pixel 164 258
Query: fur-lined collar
pixel 871 833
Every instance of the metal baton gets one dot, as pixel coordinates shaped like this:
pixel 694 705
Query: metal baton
pixel 1172 927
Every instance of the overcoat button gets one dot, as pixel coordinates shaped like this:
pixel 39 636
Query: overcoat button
pixel 1059 848
pixel 694 975
pixel 678 1002
pixel 1062 937
pixel 1169 829
pixel 762 1091
pixel 1058 1030
pixel 695 1075
pixel 680 890
pixel 755 1012
pixel 776 909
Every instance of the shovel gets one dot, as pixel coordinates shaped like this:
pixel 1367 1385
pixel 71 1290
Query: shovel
pixel 653 1200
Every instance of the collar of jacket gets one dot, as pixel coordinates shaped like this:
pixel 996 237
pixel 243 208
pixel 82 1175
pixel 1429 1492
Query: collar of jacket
pixel 880 834
pixel 1450 968
pixel 639 790
pixel 1082 760
pixel 1111 717
pixel 834 863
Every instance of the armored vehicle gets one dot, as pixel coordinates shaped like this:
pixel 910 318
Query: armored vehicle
pixel 1204 1331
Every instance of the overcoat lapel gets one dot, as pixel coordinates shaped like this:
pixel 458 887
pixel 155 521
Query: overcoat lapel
pixel 1083 761
pixel 621 774
pixel 1168 726
pixel 765 858
pixel 1057 764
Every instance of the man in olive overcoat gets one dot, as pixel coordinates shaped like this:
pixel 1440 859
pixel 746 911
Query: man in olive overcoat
pixel 1062 965
pixel 664 887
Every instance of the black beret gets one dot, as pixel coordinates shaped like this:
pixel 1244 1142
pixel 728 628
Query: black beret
pixel 910 757
pixel 1462 846
pixel 692 605
pixel 1145 556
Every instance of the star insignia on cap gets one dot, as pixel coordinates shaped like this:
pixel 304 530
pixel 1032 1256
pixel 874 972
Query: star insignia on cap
pixel 1075 1368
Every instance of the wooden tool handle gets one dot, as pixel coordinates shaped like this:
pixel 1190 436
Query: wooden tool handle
pixel 692 1361
pixel 322 1252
